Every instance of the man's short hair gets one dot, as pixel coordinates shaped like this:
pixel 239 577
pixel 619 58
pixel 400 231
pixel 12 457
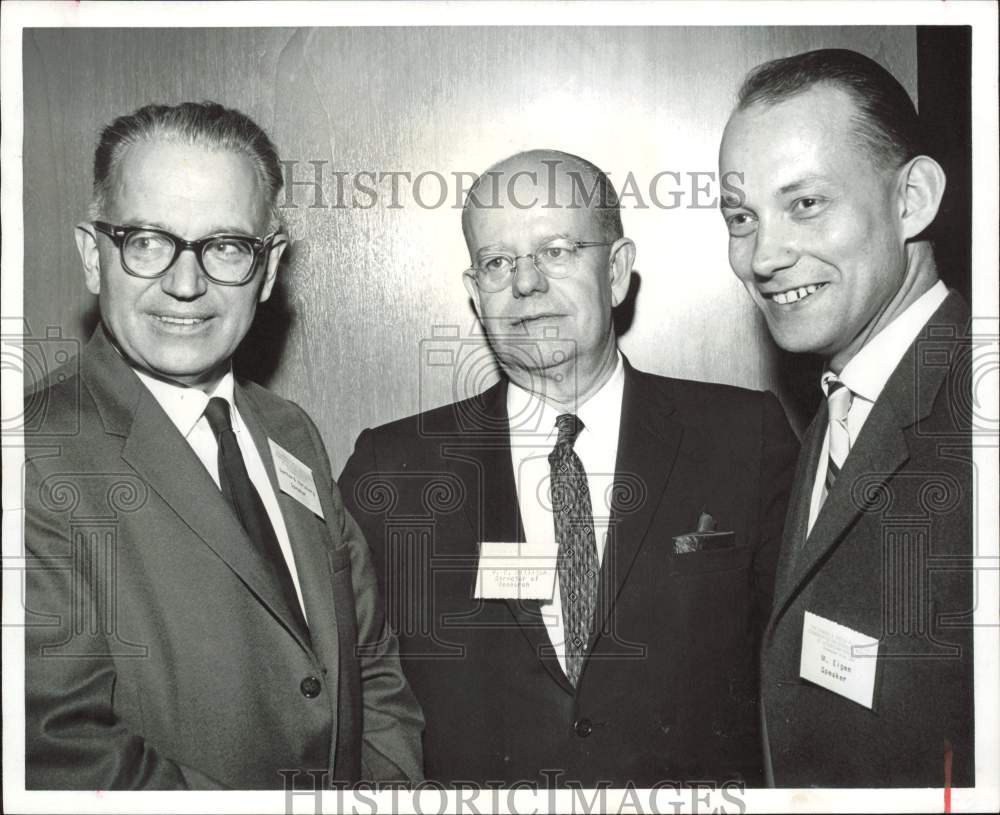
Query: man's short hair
pixel 206 124
pixel 886 122
pixel 591 187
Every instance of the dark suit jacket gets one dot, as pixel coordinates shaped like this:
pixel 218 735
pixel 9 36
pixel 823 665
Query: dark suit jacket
pixel 159 651
pixel 668 688
pixel 889 556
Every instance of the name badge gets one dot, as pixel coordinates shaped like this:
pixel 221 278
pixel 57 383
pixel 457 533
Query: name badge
pixel 839 658
pixel 295 478
pixel 515 571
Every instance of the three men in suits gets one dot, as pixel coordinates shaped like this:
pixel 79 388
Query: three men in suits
pixel 867 671
pixel 201 611
pixel 652 505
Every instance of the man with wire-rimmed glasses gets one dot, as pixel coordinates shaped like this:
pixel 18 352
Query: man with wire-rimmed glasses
pixel 653 505
pixel 201 612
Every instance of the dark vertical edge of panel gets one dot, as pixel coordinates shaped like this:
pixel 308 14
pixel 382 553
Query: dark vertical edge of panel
pixel 944 91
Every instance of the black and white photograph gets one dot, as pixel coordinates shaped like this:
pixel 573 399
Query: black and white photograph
pixel 500 407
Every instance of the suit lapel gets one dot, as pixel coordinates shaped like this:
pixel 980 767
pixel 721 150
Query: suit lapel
pixel 800 500
pixel 300 522
pixel 647 446
pixel 328 596
pixel 880 450
pixel 877 454
pixel 495 514
pixel 165 461
pixel 648 442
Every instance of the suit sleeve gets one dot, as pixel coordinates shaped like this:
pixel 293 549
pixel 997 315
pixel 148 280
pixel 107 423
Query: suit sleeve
pixel 392 720
pixel 779 453
pixel 73 738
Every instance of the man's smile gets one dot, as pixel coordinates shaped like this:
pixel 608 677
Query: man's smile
pixel 178 322
pixel 789 296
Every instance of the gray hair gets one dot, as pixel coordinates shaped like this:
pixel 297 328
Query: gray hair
pixel 208 124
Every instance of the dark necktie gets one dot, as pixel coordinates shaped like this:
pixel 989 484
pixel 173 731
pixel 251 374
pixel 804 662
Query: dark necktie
pixel 577 550
pixel 245 501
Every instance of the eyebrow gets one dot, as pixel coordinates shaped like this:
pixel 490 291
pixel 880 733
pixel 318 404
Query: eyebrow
pixel 215 230
pixel 499 247
pixel 798 184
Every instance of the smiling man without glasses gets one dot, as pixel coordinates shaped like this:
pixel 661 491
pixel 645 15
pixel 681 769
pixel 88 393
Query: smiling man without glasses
pixel 867 657
pixel 659 502
pixel 201 611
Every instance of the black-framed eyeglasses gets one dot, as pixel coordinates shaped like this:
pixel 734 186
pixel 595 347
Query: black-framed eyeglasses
pixel 556 258
pixel 147 252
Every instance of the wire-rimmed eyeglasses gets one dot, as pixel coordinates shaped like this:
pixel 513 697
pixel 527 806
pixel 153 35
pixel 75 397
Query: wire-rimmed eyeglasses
pixel 557 258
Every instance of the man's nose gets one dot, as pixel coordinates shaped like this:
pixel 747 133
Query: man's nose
pixel 184 280
pixel 774 248
pixel 527 278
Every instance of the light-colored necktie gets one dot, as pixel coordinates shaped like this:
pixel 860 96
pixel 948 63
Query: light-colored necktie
pixel 838 397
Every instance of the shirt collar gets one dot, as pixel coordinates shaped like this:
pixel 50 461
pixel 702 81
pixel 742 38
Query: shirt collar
pixel 868 370
pixel 529 414
pixel 185 405
pixel 606 403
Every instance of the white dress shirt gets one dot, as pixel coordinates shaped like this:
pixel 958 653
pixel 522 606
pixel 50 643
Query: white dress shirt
pixel 533 435
pixel 868 370
pixel 186 409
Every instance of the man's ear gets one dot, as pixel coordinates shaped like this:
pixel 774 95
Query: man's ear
pixel 921 187
pixel 468 278
pixel 620 260
pixel 86 245
pixel 278 246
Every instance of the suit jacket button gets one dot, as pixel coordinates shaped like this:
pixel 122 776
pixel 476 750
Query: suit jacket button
pixel 310 687
pixel 583 727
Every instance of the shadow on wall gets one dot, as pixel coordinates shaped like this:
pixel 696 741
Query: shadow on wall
pixel 798 375
pixel 798 385
pixel 625 313
pixel 259 355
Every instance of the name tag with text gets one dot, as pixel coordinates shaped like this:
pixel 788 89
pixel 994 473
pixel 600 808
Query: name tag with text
pixel 515 571
pixel 839 659
pixel 295 478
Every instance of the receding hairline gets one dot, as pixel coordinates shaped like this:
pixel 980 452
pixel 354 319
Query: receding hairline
pixel 884 118
pixel 155 140
pixel 207 125
pixel 857 120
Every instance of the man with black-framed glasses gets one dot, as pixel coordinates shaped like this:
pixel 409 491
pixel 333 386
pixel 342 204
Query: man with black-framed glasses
pixel 201 612
pixel 579 559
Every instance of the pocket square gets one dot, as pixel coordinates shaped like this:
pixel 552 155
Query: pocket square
pixel 704 539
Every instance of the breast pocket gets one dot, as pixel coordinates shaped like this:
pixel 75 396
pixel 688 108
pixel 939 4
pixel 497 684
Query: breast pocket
pixel 713 560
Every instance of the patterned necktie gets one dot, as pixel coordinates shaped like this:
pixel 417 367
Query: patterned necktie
pixel 245 501
pixel 839 399
pixel 577 550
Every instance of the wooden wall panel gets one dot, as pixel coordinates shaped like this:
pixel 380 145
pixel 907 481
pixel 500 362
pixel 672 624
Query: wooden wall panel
pixel 368 291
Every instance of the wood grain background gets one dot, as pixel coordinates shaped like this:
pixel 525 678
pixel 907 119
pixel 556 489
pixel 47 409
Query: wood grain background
pixel 368 293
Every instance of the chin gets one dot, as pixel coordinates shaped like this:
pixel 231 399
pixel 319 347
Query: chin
pixel 797 342
pixel 187 372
